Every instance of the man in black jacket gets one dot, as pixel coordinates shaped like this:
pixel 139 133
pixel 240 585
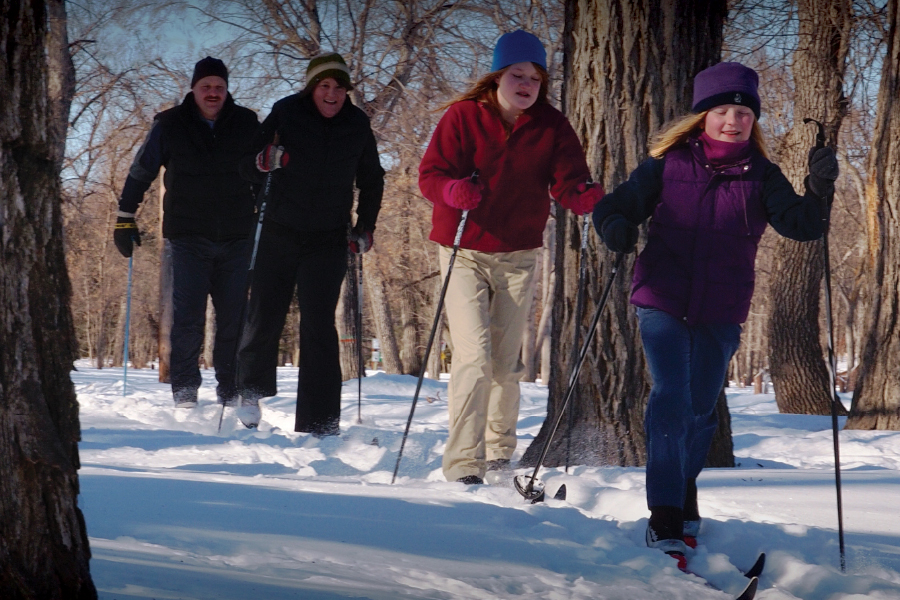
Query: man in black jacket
pixel 325 147
pixel 208 214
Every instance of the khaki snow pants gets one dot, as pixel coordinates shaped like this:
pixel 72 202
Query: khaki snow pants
pixel 488 302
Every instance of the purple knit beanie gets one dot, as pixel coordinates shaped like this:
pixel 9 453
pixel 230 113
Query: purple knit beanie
pixel 726 83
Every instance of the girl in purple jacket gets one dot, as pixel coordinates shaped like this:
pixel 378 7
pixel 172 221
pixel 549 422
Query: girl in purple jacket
pixel 709 191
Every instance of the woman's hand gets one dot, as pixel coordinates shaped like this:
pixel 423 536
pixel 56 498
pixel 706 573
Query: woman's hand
pixel 588 195
pixel 271 157
pixel 462 194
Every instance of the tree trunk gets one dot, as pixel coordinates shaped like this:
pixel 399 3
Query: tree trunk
pixel 44 549
pixel 629 66
pixel 346 321
pixel 209 335
pixel 798 368
pixel 409 339
pixel 384 323
pixel 434 358
pixel 529 336
pixel 548 287
pixel 876 400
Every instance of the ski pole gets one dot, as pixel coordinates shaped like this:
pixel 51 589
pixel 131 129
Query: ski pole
pixel 127 327
pixel 525 485
pixel 832 367
pixel 579 313
pixel 267 190
pixel 434 326
pixel 359 349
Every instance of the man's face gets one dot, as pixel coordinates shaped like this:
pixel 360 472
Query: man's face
pixel 329 97
pixel 209 94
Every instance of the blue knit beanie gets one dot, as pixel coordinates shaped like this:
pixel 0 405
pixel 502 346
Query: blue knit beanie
pixel 726 83
pixel 518 46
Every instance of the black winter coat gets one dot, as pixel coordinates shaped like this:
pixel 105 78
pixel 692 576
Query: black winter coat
pixel 314 191
pixel 205 193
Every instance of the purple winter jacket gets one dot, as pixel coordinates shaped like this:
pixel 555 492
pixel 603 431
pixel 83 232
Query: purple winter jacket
pixel 699 260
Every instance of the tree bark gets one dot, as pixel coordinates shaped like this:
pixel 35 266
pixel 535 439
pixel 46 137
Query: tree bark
pixel 44 549
pixel 384 323
pixel 434 358
pixel 798 368
pixel 346 321
pixel 209 335
pixel 629 66
pixel 876 400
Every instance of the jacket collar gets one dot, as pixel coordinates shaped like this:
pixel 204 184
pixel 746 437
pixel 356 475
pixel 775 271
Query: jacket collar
pixel 741 167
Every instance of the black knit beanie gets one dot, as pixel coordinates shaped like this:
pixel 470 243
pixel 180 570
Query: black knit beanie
pixel 207 67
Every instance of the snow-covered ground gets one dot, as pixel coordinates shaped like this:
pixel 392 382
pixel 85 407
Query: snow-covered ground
pixel 176 509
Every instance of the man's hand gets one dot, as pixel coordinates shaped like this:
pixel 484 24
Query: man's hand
pixel 126 235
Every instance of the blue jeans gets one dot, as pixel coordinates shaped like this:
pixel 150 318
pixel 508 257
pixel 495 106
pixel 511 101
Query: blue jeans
pixel 688 364
pixel 201 268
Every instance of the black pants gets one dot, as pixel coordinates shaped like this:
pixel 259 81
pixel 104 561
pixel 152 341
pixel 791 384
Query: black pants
pixel 202 268
pixel 315 263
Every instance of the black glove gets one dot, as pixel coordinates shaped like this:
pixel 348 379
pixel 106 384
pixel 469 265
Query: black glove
pixel 619 234
pixel 125 235
pixel 360 241
pixel 823 170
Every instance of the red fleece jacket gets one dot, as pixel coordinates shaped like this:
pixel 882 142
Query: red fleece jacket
pixel 541 158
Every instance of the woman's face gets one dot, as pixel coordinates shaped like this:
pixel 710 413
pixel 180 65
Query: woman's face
pixel 729 123
pixel 329 97
pixel 518 87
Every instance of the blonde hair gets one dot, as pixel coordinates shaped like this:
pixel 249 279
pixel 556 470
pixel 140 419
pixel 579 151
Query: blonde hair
pixel 485 91
pixel 679 132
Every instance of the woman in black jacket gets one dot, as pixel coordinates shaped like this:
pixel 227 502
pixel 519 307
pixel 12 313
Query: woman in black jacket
pixel 325 145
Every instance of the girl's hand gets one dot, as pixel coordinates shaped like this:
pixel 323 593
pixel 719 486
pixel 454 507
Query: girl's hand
pixel 462 194
pixel 619 234
pixel 823 170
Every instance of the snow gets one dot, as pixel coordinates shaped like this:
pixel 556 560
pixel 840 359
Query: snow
pixel 177 510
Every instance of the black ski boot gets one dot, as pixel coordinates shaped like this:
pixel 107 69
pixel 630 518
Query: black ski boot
pixel 665 531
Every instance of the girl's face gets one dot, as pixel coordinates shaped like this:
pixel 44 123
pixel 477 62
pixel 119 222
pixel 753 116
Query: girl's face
pixel 729 123
pixel 518 87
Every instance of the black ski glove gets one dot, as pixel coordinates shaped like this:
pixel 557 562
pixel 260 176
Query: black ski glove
pixel 125 235
pixel 823 170
pixel 619 234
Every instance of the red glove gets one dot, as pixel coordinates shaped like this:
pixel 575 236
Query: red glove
pixel 271 158
pixel 360 242
pixel 589 194
pixel 462 194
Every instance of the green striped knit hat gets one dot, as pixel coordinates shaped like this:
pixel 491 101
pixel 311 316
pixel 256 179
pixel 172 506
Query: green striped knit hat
pixel 323 66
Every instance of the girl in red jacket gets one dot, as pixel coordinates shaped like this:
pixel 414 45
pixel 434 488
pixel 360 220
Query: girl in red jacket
pixel 526 153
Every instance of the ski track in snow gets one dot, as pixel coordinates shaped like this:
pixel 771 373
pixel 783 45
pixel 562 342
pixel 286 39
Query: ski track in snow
pixel 177 510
